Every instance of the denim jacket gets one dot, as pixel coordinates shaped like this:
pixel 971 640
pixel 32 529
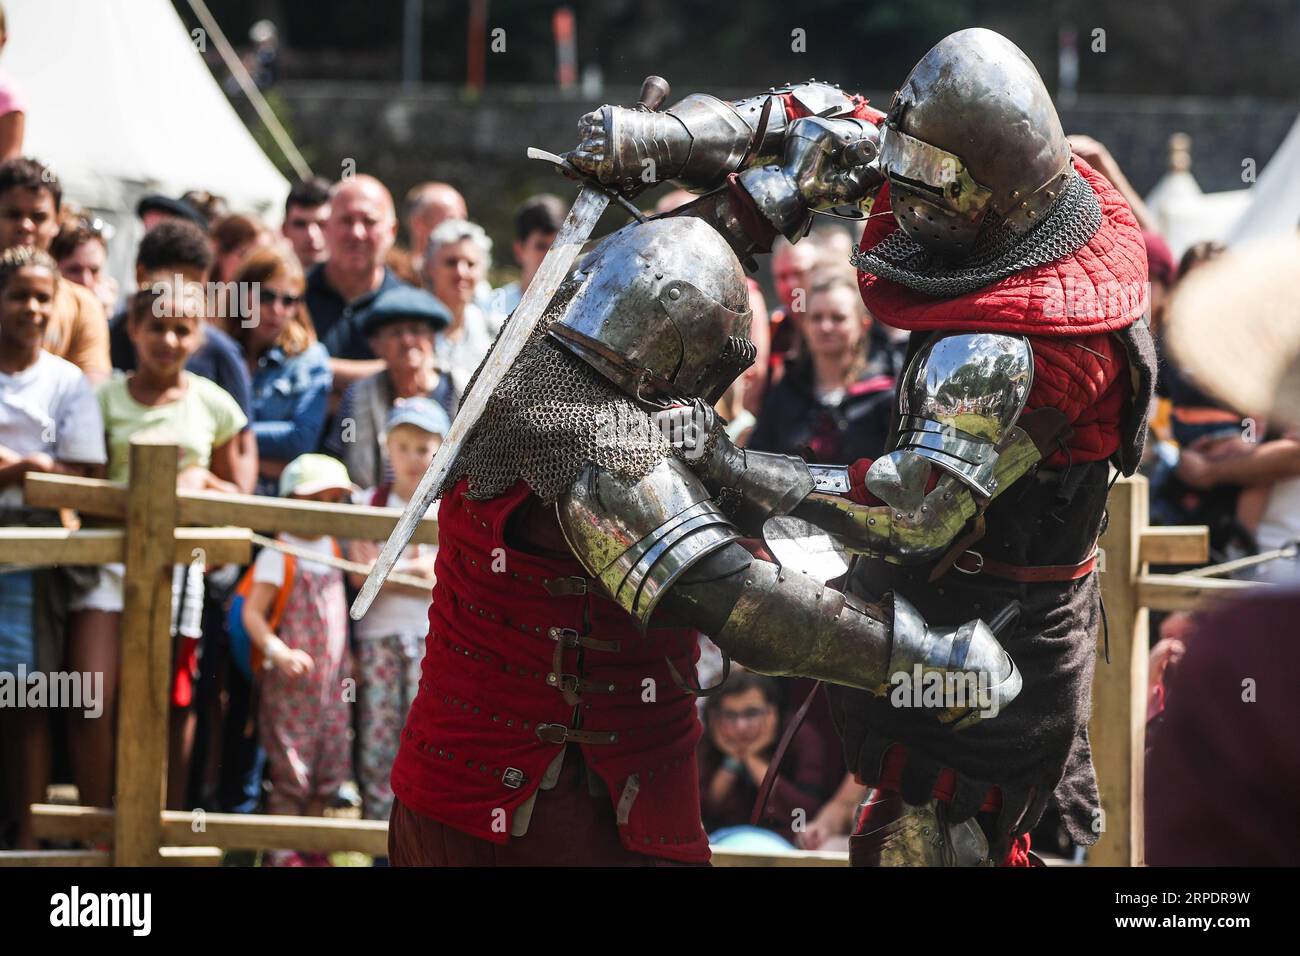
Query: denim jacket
pixel 290 401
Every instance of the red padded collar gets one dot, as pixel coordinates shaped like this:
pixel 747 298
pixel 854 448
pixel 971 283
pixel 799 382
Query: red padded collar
pixel 1101 287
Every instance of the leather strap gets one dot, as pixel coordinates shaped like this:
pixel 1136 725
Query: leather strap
pixel 972 562
pixel 565 587
pixel 692 687
pixel 769 778
pixel 960 545
pixel 575 683
pixel 560 734
pixel 569 637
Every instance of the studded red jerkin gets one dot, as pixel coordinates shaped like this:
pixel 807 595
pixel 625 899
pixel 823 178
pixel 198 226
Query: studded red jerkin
pixel 472 730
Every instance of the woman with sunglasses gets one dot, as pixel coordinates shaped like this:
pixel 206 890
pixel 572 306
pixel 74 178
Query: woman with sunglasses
pixel 290 369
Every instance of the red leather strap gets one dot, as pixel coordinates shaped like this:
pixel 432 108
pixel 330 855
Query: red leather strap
pixel 972 562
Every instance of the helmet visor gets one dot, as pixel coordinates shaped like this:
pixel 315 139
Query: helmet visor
pixel 939 175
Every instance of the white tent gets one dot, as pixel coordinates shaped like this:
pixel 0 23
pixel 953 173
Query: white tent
pixel 1271 207
pixel 1274 208
pixel 120 104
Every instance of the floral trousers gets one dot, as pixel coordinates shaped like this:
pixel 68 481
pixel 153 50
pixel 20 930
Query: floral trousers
pixel 305 722
pixel 390 677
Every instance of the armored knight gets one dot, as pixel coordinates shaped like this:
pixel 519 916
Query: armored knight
pixel 581 551
pixel 1021 274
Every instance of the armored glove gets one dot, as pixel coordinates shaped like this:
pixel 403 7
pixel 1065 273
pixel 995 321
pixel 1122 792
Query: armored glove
pixel 696 142
pixel 753 486
pixel 827 162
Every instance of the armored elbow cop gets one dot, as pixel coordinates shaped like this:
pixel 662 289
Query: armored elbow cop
pixel 661 537
pixel 960 413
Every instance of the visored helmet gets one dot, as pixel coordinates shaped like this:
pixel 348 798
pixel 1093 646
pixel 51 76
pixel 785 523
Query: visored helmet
pixel 972 132
pixel 661 309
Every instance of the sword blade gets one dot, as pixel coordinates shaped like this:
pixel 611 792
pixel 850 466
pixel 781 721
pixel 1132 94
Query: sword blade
pixel 575 231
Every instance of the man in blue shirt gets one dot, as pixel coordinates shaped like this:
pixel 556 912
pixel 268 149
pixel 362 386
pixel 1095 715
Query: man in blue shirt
pixel 358 234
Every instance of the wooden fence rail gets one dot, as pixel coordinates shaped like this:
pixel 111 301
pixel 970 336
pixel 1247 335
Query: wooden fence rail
pixel 163 526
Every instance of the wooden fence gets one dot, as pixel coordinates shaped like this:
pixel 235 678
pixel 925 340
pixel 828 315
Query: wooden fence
pixel 162 526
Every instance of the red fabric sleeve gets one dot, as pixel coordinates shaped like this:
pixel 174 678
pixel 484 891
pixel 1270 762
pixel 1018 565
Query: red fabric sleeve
pixel 761 232
pixel 858 482
pixel 861 109
pixel 1086 377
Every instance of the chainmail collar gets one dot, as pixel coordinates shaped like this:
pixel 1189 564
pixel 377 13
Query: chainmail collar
pixel 551 416
pixel 999 252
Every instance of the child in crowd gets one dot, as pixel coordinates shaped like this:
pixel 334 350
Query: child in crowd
pixel 30 204
pixel 390 638
pixel 162 398
pixel 304 715
pixel 49 422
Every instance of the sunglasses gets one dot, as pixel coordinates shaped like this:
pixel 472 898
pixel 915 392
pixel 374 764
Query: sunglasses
pixel 267 297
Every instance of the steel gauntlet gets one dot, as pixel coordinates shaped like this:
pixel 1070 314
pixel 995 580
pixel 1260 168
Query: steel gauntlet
pixel 698 141
pixel 695 142
pixel 752 485
pixel 827 162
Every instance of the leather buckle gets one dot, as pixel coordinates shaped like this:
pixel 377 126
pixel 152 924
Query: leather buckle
pixel 563 682
pixel 565 587
pixel 978 567
pixel 513 778
pixel 553 733
pixel 565 635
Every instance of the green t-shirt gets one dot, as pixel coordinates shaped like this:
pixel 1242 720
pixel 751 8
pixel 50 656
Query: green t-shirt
pixel 203 418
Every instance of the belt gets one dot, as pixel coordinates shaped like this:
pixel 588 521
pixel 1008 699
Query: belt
pixel 972 562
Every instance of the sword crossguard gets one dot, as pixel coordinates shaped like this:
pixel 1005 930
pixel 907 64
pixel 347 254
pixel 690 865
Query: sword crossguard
pixel 566 168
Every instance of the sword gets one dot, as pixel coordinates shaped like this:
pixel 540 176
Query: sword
pixel 592 200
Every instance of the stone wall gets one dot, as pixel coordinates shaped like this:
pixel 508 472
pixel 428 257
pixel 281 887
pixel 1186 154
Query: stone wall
pixel 435 132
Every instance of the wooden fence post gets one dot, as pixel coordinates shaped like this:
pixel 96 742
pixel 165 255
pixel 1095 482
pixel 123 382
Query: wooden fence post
pixel 142 700
pixel 1118 727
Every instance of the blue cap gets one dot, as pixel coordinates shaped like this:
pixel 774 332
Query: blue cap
pixel 403 303
pixel 423 413
pixel 177 208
